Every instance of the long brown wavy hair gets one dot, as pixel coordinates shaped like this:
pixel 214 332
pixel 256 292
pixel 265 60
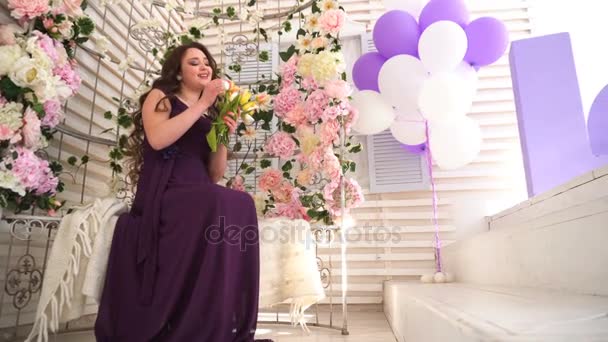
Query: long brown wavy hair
pixel 169 84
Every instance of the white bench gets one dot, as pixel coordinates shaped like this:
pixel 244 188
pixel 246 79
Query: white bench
pixel 540 273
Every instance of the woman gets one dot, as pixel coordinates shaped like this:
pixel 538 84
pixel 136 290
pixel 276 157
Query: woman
pixel 184 263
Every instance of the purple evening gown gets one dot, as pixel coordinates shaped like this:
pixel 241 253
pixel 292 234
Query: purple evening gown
pixel 184 262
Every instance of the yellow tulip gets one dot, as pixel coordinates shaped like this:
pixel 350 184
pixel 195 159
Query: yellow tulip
pixel 250 106
pixel 245 96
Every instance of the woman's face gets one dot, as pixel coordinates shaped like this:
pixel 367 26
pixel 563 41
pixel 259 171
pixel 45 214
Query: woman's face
pixel 195 70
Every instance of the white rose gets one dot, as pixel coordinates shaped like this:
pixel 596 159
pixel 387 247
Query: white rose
pixel 9 54
pixel 125 63
pixel 101 43
pixel 28 73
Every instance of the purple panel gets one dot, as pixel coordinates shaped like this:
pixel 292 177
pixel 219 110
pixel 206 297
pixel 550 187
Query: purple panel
pixel 597 124
pixel 550 116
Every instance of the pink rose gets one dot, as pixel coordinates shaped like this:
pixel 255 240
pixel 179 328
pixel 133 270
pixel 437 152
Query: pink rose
pixel 332 21
pixel 270 179
pixel 28 9
pixel 331 165
pixel 31 129
pixel 286 100
pixel 283 193
pixel 319 43
pixel 7 35
pixel 281 145
pixel 337 89
pixel 288 72
pixel 332 195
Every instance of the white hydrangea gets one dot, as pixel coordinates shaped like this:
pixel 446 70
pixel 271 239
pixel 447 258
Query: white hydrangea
pixel 101 43
pixel 125 63
pixel 11 119
pixel 28 73
pixel 9 54
pixel 9 181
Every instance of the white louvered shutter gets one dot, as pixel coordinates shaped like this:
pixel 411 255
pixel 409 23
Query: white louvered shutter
pixel 391 167
pixel 253 70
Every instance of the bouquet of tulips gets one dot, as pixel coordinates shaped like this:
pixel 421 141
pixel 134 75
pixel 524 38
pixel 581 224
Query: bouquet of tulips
pixel 233 103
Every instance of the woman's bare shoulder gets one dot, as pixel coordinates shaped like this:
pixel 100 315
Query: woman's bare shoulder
pixel 157 101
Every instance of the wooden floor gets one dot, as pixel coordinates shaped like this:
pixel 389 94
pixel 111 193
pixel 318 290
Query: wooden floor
pixel 362 327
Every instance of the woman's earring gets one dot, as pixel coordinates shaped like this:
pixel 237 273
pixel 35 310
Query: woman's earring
pixel 179 77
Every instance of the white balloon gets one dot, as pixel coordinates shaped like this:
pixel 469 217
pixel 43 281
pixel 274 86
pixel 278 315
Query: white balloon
pixel 445 97
pixel 413 7
pixel 375 115
pixel 468 74
pixel 455 144
pixel 442 46
pixel 409 129
pixel 400 81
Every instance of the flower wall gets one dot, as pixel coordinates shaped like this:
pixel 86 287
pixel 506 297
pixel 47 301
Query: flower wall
pixel 38 73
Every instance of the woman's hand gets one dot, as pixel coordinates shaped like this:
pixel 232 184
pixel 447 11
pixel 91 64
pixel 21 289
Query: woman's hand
pixel 230 121
pixel 211 92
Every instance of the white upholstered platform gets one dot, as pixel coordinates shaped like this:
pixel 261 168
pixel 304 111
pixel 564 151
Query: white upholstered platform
pixel 459 312
pixel 540 273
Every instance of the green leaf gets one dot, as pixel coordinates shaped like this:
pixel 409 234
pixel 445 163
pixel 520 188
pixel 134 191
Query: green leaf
pixel 212 139
pixel 216 20
pixel 287 26
pixel 343 76
pixel 353 166
pixel 288 128
pixel 84 159
pixel 217 10
pixel 125 121
pixel 301 32
pixel 355 149
pixel 72 160
pixel 237 146
pixel 315 7
pixel 39 108
pixel 108 115
pixel 86 25
pixel 286 175
pixel 230 12
pixel 264 34
pixel 251 3
pixel 287 166
pixel 266 126
pixel 10 90
pixel 264 56
pixel 264 163
pixel 195 32
pixel 249 170
pixel 285 56
pixel 244 166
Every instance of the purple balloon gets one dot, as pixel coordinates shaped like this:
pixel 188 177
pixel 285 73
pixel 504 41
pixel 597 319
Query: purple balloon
pixel 438 10
pixel 488 40
pixel 366 70
pixel 396 33
pixel 416 149
pixel 597 124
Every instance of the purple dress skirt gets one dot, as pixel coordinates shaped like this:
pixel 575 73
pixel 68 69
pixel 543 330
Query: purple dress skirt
pixel 184 262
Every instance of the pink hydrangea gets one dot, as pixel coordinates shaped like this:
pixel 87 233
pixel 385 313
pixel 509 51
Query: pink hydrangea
pixel 292 210
pixel 351 117
pixel 296 116
pixel 237 183
pixel 315 105
pixel 52 113
pixel 281 145
pixel 337 89
pixel 353 196
pixel 331 113
pixel 26 10
pixel 330 132
pixel 288 72
pixel 270 179
pixel 31 129
pixel 331 21
pixel 33 173
pixel 309 84
pixel 286 100
pixel 48 45
pixel 315 159
pixel 67 73
pixel 331 165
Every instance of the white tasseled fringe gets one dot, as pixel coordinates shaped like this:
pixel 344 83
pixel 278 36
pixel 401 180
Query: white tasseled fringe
pixel 65 292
